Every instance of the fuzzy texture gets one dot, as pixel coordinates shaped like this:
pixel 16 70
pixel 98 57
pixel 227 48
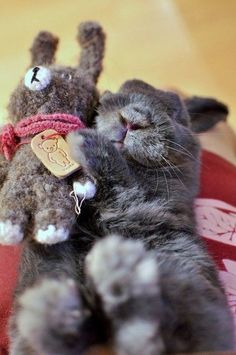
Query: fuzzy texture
pixel 149 286
pixel 31 198
pixel 61 123
pixel 71 90
pixel 35 204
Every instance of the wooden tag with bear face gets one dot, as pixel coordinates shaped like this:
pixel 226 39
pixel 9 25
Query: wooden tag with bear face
pixel 53 151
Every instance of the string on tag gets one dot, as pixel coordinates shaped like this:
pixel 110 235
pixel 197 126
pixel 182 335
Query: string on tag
pixel 52 135
pixel 78 203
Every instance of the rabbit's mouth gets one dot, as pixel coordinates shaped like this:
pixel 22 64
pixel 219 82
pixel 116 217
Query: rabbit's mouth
pixel 118 144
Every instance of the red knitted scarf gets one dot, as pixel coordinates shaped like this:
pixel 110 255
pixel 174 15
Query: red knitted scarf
pixel 10 135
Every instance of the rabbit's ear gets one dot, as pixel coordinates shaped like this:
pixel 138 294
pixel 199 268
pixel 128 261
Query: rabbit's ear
pixel 137 86
pixel 176 107
pixel 92 41
pixel 205 112
pixel 43 49
pixel 105 95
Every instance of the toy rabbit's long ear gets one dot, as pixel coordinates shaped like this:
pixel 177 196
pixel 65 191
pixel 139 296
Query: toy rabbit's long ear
pixel 92 41
pixel 43 49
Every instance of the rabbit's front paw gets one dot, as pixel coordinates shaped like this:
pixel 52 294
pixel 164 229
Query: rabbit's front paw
pixel 91 150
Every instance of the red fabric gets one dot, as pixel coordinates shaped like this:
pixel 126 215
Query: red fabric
pixel 218 183
pixel 216 216
pixel 215 210
pixel 9 261
pixel 218 178
pixel 63 123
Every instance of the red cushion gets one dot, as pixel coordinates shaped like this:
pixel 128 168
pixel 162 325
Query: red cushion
pixel 215 211
pixel 218 178
pixel 9 261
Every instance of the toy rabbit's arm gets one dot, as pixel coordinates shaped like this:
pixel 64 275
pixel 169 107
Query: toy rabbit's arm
pixel 54 215
pixel 92 41
pixel 4 166
pixel 13 210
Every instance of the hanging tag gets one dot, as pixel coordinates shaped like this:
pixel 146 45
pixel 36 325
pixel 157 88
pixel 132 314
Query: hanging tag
pixel 53 151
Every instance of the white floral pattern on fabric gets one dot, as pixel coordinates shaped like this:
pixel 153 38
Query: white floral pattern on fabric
pixel 216 221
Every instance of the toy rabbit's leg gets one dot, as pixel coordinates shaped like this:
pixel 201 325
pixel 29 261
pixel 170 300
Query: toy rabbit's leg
pixel 55 213
pixel 13 211
pixel 125 277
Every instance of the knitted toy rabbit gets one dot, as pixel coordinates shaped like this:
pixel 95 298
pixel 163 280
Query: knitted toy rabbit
pixel 34 202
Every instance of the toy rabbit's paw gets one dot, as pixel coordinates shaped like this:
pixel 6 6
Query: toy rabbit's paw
pixel 10 233
pixel 52 235
pixel 50 315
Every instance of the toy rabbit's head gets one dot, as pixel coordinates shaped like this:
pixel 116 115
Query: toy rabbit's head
pixel 48 88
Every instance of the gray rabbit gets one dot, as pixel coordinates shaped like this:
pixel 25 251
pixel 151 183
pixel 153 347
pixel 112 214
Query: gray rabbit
pixel 135 273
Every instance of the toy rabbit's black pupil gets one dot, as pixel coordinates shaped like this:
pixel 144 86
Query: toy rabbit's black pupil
pixel 34 76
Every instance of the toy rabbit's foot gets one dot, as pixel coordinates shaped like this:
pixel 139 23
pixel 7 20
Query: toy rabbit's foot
pixel 125 277
pixel 10 234
pixel 49 317
pixel 52 235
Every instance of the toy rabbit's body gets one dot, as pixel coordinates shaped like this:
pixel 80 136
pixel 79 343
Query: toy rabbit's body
pixel 36 206
pixel 34 202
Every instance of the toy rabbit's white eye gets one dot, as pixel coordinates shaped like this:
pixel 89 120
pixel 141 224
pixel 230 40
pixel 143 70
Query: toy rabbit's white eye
pixel 37 78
